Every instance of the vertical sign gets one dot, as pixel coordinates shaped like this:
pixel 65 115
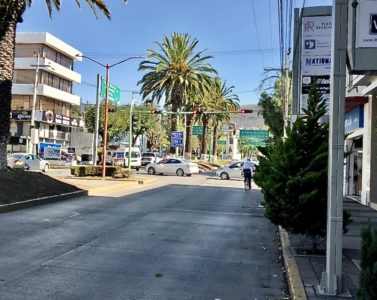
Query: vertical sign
pixel 315 56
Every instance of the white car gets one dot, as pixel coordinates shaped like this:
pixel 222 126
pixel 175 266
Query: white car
pixel 180 167
pixel 28 162
pixel 234 171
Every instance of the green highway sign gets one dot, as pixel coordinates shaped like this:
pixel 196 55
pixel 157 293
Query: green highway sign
pixel 253 143
pixel 197 130
pixel 114 92
pixel 256 134
pixel 221 142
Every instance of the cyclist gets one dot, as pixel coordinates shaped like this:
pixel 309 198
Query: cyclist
pixel 247 169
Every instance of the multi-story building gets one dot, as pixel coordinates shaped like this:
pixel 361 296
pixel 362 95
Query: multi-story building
pixel 42 93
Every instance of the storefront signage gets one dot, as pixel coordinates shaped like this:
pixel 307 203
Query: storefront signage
pixel 366 32
pixel 63 120
pixel 48 116
pixel 20 115
pixel 354 119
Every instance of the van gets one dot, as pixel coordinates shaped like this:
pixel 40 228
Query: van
pixel 120 158
pixel 135 158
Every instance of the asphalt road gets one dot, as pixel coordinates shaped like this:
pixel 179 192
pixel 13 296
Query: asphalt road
pixel 180 238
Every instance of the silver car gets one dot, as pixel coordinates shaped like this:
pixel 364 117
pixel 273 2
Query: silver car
pixel 27 162
pixel 180 167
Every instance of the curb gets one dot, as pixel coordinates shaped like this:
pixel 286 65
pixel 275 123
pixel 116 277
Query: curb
pixel 40 201
pixel 296 286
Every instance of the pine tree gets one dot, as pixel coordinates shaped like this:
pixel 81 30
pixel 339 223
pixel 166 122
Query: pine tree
pixel 293 173
pixel 368 276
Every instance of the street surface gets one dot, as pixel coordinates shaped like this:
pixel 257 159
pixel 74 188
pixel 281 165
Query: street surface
pixel 179 238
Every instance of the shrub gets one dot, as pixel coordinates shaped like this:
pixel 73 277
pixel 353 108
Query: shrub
pixel 368 276
pixel 80 171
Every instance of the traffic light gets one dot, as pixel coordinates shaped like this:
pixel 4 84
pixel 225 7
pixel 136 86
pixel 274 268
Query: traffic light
pixel 246 111
pixel 134 121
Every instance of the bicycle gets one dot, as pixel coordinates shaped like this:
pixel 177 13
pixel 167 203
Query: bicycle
pixel 247 179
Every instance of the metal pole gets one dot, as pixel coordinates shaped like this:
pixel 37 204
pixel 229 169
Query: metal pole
pixel 177 148
pixel 332 278
pixel 105 122
pixel 32 120
pixel 210 143
pixel 95 142
pixel 130 136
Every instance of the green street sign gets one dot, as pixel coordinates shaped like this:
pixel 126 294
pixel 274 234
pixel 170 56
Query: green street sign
pixel 253 143
pixel 256 134
pixel 114 92
pixel 197 130
pixel 221 142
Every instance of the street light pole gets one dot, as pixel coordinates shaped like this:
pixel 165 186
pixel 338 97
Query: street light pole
pixel 107 67
pixel 34 103
pixel 130 132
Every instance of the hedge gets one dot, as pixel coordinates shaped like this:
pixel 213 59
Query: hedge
pixel 90 170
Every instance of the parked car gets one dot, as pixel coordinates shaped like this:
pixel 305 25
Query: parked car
pixel 149 157
pixel 233 170
pixel 180 167
pixel 28 162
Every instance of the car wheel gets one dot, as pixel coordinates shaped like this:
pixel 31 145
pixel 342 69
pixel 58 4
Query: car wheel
pixel 151 171
pixel 27 167
pixel 46 167
pixel 180 172
pixel 224 176
pixel 188 175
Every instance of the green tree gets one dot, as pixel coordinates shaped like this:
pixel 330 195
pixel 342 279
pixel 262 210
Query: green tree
pixel 272 114
pixel 368 276
pixel 226 102
pixel 11 12
pixel 174 72
pixel 293 174
pixel 118 122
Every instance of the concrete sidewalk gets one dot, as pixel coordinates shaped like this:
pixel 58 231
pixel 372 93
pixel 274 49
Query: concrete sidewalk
pixel 304 271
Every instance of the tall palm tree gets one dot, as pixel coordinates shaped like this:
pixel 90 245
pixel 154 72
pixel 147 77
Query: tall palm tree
pixel 175 71
pixel 11 12
pixel 228 104
pixel 222 99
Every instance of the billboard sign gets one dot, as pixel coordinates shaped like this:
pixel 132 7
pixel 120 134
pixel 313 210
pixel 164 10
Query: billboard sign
pixel 366 27
pixel 315 56
pixel 49 150
pixel 323 84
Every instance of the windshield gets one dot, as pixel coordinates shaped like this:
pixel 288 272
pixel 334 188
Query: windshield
pixel 134 154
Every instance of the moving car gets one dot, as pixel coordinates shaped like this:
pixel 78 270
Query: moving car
pixel 234 171
pixel 180 167
pixel 28 162
pixel 149 157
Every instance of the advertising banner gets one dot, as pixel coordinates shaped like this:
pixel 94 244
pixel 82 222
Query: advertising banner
pixel 49 150
pixel 315 56
pixel 366 27
pixel 323 84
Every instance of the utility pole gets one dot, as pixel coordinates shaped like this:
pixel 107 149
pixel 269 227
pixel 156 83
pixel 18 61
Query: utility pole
pixel 95 142
pixel 331 281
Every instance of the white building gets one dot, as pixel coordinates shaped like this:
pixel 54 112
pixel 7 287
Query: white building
pixel 50 78
pixel 361 142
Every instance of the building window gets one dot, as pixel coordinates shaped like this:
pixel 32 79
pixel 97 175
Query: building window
pixel 23 76
pixel 27 50
pixel 21 102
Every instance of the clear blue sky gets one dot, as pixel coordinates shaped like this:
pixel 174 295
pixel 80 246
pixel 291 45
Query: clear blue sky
pixel 242 47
